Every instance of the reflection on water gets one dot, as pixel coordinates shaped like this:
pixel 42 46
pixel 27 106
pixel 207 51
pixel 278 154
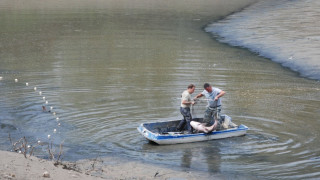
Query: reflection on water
pixel 107 68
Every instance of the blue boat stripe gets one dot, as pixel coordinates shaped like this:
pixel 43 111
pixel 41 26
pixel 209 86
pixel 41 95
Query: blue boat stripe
pixel 163 137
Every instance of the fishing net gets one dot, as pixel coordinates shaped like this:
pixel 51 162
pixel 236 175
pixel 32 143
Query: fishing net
pixel 198 109
pixel 198 112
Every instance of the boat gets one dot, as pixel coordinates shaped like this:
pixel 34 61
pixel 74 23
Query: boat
pixel 165 132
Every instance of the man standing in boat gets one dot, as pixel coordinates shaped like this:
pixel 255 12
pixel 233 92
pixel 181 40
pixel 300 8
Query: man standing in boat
pixel 213 96
pixel 186 102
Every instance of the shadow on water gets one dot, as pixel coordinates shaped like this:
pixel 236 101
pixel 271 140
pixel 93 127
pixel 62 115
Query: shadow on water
pixel 205 156
pixel 7 127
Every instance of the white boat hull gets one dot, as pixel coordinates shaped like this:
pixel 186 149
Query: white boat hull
pixel 176 138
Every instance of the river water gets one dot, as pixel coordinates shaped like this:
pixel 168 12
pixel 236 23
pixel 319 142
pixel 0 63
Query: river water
pixel 107 66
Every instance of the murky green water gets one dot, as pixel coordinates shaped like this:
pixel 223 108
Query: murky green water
pixel 107 66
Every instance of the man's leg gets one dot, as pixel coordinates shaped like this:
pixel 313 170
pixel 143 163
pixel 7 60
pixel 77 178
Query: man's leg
pixel 216 117
pixel 189 127
pixel 187 117
pixel 208 116
pixel 216 113
pixel 181 125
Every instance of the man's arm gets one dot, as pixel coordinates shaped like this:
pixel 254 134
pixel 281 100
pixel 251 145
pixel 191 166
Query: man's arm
pixel 222 93
pixel 187 102
pixel 198 96
pixel 185 99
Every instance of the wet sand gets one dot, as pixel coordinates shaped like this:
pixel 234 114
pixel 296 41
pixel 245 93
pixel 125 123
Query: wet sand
pixel 15 166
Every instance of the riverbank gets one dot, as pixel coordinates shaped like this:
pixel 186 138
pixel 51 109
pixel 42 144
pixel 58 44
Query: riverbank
pixel 15 166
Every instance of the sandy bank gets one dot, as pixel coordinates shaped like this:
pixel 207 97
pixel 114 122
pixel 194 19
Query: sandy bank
pixel 15 166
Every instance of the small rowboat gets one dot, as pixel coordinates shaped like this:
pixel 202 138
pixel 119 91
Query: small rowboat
pixel 166 133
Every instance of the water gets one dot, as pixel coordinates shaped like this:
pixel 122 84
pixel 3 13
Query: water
pixel 285 31
pixel 106 67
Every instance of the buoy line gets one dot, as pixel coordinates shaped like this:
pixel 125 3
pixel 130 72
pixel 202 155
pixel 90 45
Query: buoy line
pixel 50 136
